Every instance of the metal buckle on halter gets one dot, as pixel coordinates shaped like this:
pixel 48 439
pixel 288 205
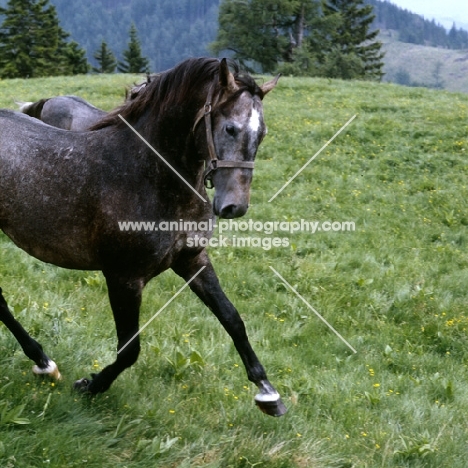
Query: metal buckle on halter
pixel 211 166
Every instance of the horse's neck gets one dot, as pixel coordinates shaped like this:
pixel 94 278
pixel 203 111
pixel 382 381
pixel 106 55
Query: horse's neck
pixel 173 128
pixel 172 138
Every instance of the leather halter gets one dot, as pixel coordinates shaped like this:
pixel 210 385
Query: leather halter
pixel 215 163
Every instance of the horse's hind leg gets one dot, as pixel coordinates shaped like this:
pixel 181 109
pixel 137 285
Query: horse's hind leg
pixel 125 300
pixel 31 348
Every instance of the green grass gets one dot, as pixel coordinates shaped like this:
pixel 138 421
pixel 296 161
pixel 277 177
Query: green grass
pixel 103 91
pixel 395 288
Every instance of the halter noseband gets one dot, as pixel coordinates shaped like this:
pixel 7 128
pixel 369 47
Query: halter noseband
pixel 214 162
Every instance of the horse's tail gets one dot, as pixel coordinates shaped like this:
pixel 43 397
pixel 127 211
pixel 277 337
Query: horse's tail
pixel 33 109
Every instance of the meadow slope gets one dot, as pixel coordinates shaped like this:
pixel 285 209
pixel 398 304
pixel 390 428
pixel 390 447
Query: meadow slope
pixel 395 288
pixel 426 66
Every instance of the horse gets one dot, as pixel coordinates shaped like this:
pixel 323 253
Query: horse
pixel 62 195
pixel 67 112
pixel 72 112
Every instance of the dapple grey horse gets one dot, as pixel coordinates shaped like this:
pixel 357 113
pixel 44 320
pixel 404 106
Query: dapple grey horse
pixel 67 112
pixel 62 195
pixel 71 112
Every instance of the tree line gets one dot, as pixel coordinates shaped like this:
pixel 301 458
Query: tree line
pixel 289 34
pixel 33 44
pixel 414 29
pixel 331 38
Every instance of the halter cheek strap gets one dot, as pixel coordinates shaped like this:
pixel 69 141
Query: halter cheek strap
pixel 214 162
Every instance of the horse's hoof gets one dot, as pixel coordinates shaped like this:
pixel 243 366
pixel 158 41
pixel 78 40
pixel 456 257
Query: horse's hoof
pixel 271 404
pixel 51 371
pixel 82 385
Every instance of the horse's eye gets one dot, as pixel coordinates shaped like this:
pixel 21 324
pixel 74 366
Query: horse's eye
pixel 231 130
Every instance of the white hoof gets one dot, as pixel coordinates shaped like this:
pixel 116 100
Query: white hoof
pixel 267 397
pixel 270 404
pixel 51 370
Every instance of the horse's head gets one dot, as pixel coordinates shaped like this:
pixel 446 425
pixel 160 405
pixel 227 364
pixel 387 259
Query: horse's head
pixel 234 128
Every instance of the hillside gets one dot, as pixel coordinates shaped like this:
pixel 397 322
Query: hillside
pixel 412 28
pixel 417 65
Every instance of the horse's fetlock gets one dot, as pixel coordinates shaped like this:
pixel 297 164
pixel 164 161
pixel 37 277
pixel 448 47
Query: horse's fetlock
pixel 48 368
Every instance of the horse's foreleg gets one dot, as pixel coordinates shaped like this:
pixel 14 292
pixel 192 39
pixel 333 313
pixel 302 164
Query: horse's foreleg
pixel 31 347
pixel 206 286
pixel 125 300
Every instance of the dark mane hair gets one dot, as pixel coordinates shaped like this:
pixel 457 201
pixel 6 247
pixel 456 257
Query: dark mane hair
pixel 175 87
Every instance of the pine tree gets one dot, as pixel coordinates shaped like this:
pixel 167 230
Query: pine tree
pixel 453 39
pixel 106 60
pixel 437 75
pixel 265 31
pixel 354 53
pixel 301 37
pixel 76 58
pixel 32 43
pixel 133 62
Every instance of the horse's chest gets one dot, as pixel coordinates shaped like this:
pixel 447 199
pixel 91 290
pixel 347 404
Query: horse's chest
pixel 173 243
pixel 191 239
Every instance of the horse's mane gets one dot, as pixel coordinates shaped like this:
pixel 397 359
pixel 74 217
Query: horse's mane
pixel 173 88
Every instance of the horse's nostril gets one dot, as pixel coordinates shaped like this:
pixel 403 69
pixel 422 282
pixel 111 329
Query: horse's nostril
pixel 227 211
pixel 232 211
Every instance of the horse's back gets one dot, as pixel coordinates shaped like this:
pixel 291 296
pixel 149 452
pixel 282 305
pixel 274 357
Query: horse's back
pixel 44 176
pixel 38 155
pixel 19 134
pixel 62 193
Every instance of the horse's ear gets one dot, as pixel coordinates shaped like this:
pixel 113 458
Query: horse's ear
pixel 269 85
pixel 226 78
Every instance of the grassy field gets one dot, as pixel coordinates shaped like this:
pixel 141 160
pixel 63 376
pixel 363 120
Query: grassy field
pixel 395 288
